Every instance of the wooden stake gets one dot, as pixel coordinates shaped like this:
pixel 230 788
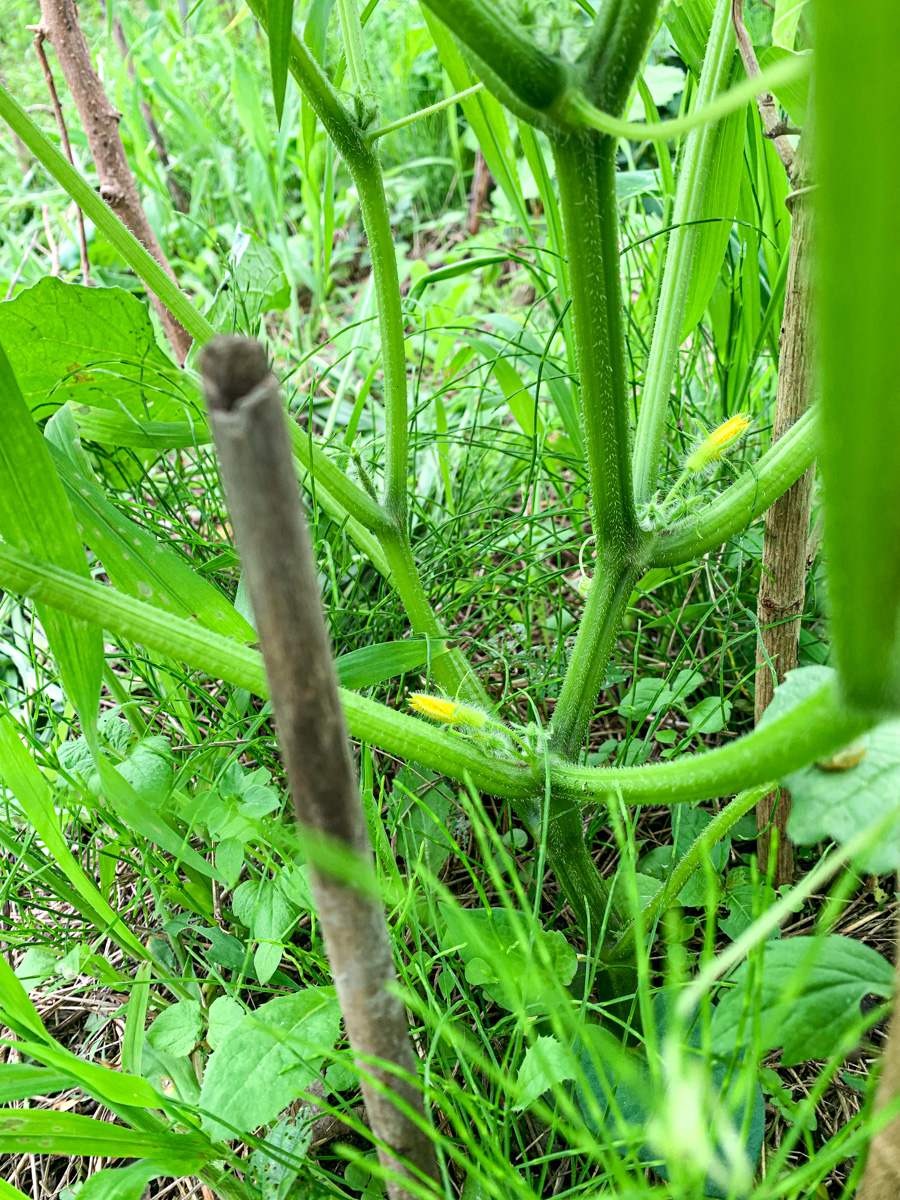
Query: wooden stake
pixel 250 432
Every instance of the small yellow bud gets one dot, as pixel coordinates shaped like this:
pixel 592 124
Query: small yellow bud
pixel 715 444
pixel 446 711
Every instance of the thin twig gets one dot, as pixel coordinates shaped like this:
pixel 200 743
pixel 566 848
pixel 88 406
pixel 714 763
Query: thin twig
pixel 250 432
pixel 39 36
pixel 765 101
pixel 17 274
pixel 51 240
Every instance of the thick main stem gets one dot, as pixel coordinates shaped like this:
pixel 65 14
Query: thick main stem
pixel 594 644
pixel 782 585
pixel 250 432
pixel 585 165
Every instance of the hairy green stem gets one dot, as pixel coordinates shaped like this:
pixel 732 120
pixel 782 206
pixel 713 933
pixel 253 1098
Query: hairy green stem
pixel 586 168
pixel 615 50
pixel 594 644
pixel 812 729
pixel 569 858
pixel 223 658
pixel 586 173
pixel 691 862
pixel 538 79
pixel 575 110
pixel 755 490
pixel 693 176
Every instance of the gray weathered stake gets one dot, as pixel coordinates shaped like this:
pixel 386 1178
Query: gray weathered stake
pixel 249 428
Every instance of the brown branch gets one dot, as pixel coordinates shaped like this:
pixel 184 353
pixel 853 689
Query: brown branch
pixel 59 25
pixel 67 150
pixel 881 1178
pixel 765 101
pixel 251 437
pixel 786 540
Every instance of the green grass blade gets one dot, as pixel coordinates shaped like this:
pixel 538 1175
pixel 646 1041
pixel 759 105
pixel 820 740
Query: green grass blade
pixel 34 1131
pixel 135 561
pixel 373 664
pixel 21 1081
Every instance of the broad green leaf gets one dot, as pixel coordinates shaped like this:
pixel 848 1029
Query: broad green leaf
pixel 46 527
pixel 663 83
pixel 809 1000
pixel 256 283
pixel 20 1081
pixel 709 1132
pixel 859 352
pixel 224 1014
pixel 262 907
pixel 421 830
pixel 373 664
pixel 93 346
pixel 120 1183
pixel 267 1060
pixel 843 795
pixel 546 1063
pixel 169 1075
pixel 709 716
pixel 504 959
pixel 518 397
pixel 36 1131
pixel 123 429
pixel 720 205
pixel 8 1192
pixel 793 97
pixel 136 787
pixel 135 561
pixel 787 18
pixel 176 1030
pixel 281 17
pixel 18 1011
pixel 649 694
pixel 37 966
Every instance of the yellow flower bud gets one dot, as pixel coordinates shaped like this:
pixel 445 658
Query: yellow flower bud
pixel 715 444
pixel 446 711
